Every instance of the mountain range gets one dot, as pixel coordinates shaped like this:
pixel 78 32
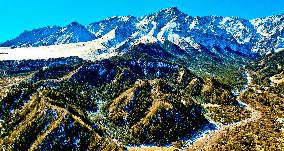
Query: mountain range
pixel 165 80
pixel 261 35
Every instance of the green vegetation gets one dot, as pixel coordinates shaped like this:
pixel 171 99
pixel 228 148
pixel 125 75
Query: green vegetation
pixel 146 96
pixel 265 133
pixel 49 116
pixel 228 69
pixel 228 114
pixel 267 67
pixel 264 130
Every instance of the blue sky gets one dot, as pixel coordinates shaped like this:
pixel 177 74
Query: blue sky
pixel 19 15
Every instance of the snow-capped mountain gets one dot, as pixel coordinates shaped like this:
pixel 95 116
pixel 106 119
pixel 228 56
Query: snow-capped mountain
pixel 215 33
pixel 55 35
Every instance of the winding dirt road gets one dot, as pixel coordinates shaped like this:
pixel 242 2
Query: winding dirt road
pixel 207 140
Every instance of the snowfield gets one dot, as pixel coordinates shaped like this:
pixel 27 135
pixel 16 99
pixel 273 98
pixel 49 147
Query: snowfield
pixel 215 33
pixel 84 50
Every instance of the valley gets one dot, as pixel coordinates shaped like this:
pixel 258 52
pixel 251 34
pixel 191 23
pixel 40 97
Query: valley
pixel 164 81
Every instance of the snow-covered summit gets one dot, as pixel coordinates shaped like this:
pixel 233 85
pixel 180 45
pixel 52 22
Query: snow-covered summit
pixel 55 35
pixel 215 33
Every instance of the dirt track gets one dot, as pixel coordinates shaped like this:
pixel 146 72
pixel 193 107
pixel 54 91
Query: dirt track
pixel 207 140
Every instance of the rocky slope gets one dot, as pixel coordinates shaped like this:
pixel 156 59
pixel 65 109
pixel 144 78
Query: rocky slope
pixel 155 80
pixel 141 97
pixel 264 95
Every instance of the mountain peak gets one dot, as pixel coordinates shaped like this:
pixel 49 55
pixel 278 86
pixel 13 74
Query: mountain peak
pixel 74 23
pixel 167 14
pixel 171 10
pixel 167 24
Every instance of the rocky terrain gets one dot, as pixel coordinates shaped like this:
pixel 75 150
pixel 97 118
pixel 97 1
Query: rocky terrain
pixel 161 81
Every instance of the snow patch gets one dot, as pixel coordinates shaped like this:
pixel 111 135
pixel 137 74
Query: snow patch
pixel 83 50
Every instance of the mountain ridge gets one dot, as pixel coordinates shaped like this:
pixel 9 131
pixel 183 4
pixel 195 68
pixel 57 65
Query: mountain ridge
pixel 260 35
pixel 164 78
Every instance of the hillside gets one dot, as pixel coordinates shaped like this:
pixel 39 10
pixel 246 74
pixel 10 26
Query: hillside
pixel 265 95
pixel 163 81
pixel 133 99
